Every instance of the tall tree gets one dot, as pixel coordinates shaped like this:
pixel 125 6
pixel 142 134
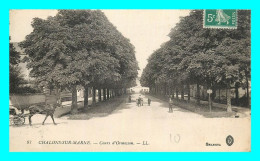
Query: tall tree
pixel 79 47
pixel 15 77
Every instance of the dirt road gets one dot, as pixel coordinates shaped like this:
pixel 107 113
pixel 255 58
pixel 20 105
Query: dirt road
pixel 132 128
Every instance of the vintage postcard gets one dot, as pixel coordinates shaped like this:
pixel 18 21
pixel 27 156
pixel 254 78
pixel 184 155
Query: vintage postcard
pixel 130 80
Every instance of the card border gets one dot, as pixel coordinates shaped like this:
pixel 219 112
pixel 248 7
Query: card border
pixel 134 4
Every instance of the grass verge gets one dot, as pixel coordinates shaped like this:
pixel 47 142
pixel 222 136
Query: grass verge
pixel 202 109
pixel 101 109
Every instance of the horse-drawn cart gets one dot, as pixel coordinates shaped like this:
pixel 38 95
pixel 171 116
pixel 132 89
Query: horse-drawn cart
pixel 20 107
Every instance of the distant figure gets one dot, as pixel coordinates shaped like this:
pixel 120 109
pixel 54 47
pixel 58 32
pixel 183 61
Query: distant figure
pixel 139 102
pixel 149 101
pixel 170 105
pixel 129 99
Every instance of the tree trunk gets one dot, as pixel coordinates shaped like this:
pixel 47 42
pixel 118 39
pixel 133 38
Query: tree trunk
pixel 202 93
pixel 74 105
pixel 188 87
pixel 104 94
pixel 108 94
pixel 182 91
pixel 247 93
pixel 237 94
pixel 229 108
pixel 210 102
pixel 198 94
pixel 159 92
pixel 213 95
pixel 177 93
pixel 115 92
pixel 226 94
pixel 165 89
pixel 172 92
pixel 99 95
pixel 58 95
pixel 85 97
pixel 219 99
pixel 94 96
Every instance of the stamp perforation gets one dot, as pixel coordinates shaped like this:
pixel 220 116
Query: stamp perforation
pixel 219 27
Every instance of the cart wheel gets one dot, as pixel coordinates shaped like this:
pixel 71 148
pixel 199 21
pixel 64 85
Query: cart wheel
pixel 22 120
pixel 11 121
pixel 19 120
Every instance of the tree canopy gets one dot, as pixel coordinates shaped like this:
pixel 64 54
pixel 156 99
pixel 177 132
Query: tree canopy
pixel 15 77
pixel 79 47
pixel 210 57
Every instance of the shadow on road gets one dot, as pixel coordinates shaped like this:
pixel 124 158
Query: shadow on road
pixel 37 125
pixel 102 109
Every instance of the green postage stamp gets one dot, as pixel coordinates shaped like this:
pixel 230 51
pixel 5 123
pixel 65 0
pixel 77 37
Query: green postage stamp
pixel 219 18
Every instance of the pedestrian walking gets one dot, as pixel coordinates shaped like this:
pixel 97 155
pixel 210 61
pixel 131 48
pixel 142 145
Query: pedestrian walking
pixel 139 102
pixel 130 99
pixel 149 101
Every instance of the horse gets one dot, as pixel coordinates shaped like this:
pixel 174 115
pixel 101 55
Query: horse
pixel 48 110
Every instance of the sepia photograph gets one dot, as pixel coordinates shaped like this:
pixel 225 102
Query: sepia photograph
pixel 128 80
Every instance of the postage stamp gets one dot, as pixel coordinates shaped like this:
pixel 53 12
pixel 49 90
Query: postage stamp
pixel 219 18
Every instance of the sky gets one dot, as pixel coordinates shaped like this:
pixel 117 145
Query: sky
pixel 146 29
